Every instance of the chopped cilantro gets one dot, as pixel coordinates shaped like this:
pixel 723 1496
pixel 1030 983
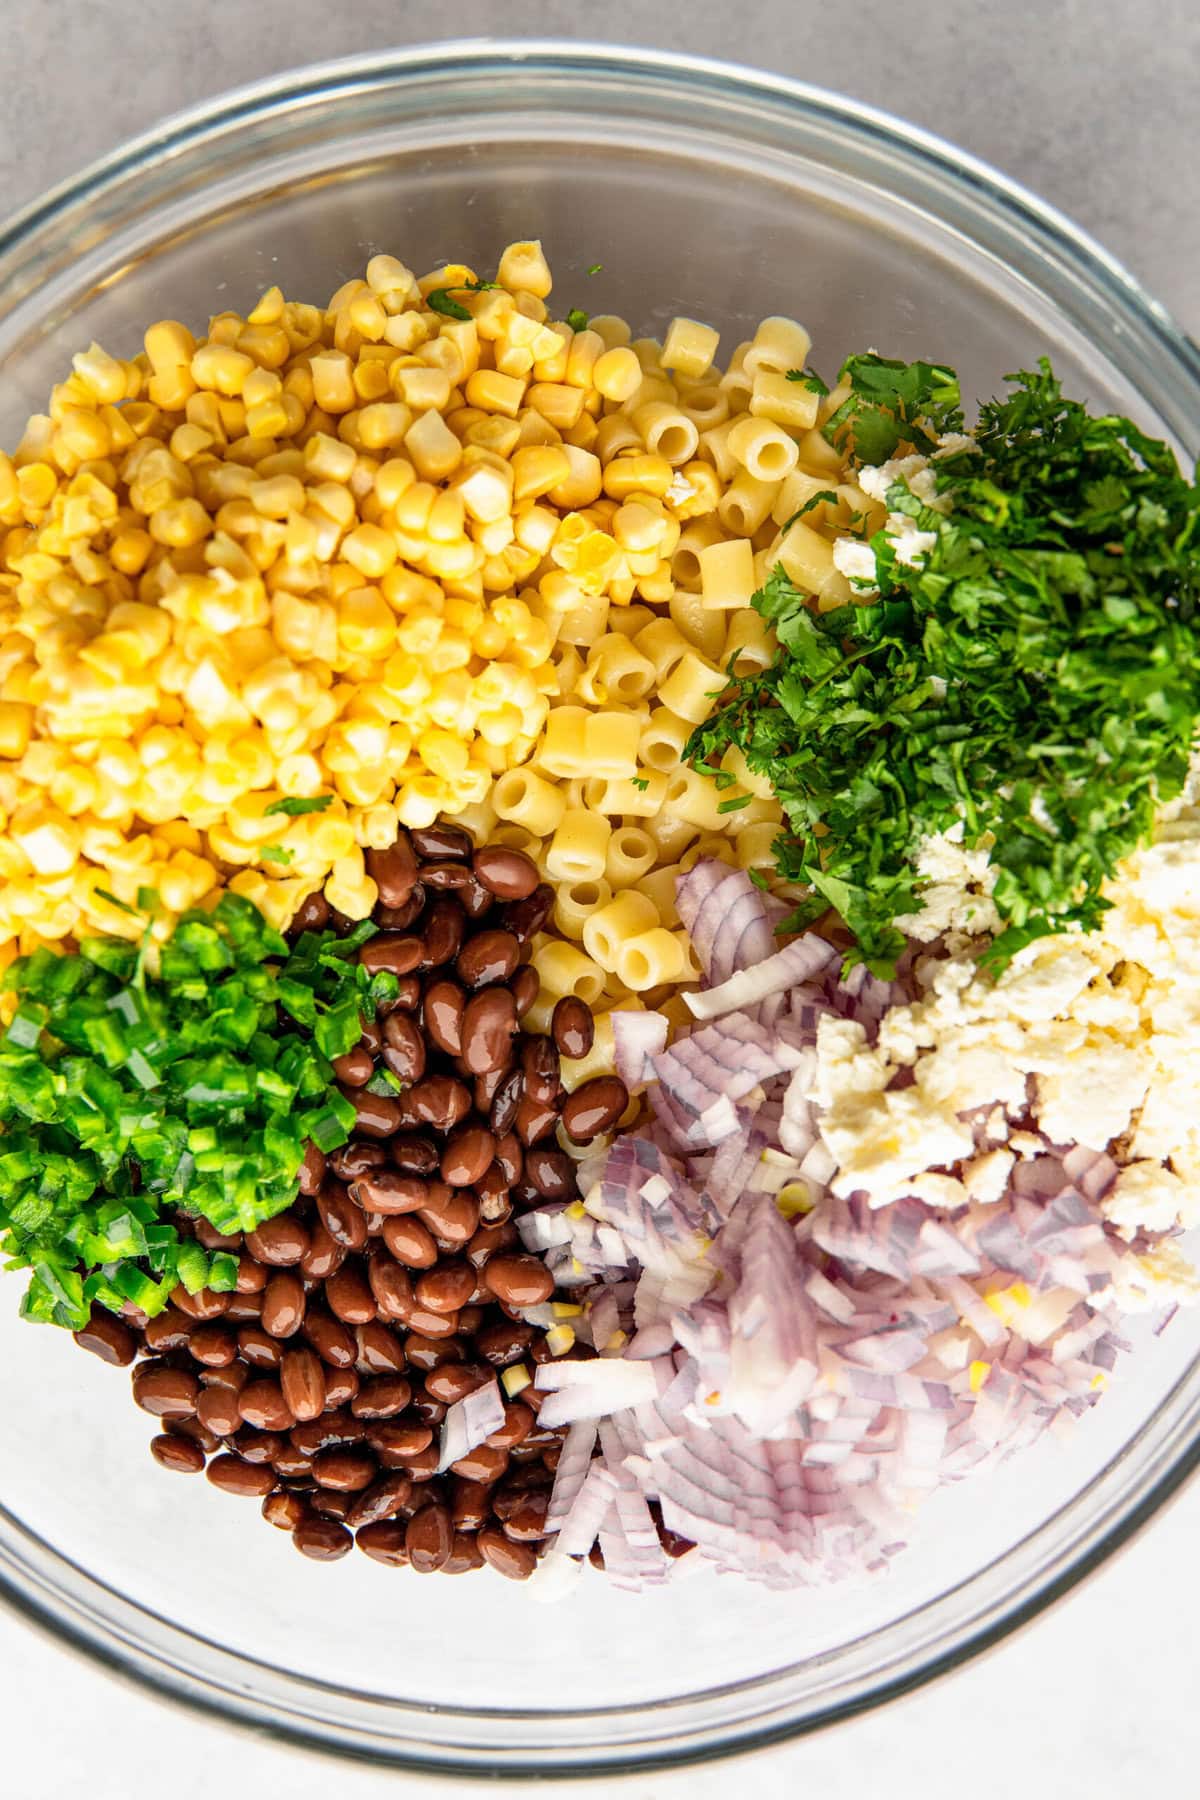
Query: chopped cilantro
pixel 577 319
pixel 810 379
pixel 1045 649
pixel 292 806
pixel 825 497
pixel 595 268
pixel 103 894
pixel 641 781
pixel 277 853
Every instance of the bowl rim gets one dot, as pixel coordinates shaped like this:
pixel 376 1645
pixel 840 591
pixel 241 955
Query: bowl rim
pixel 64 1616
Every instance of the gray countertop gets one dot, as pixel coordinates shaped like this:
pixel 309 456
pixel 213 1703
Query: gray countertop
pixel 1092 104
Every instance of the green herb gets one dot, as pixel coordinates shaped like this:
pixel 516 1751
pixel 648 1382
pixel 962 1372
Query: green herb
pixel 277 853
pixel 595 268
pixel 891 403
pixel 577 319
pixel 292 807
pixel 384 1082
pixel 1045 651
pixel 640 781
pixel 442 300
pixel 825 497
pixel 128 1096
pixel 736 804
pixel 810 379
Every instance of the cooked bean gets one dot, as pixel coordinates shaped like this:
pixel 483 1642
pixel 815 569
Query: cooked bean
pixel 330 1503
pixel 312 1169
pixel 215 1346
pixel 279 1242
pixel 487 957
pixel 385 1541
pixel 539 1064
pixel 464 1555
pixel 283 1304
pixel 355 1068
pixel 506 1102
pixel 504 1343
pixel 380 1351
pixel 518 1423
pixel 470 1319
pixel 219 1412
pixel 525 988
pixel 442 842
pixel 525 918
pixel 445 1288
pixel 510 1158
pixel 179 1454
pixel 255 1446
pixel 302 1381
pixel 428 1323
pixel 198 1432
pixel 528 1522
pixel 399 1440
pixel 429 1539
pixel 489 1021
pixel 516 1561
pixel 292 1464
pixel 401 918
pixel 212 1239
pixel 331 1340
pixel 349 1294
pixel 388 1191
pixel 382 1500
pixel 443 929
pixel 452 1214
pixel 454 1381
pixel 475 899
pixel 234 1377
pixel 341 1386
pixel 391 1288
pixel 346 1471
pixel 341 1216
pixel 572 1027
pixel 233 1476
pixel 445 877
pixel 440 1100
pixel 487 1086
pixel 382 1397
pixel 394 871
pixel 469 1150
pixel 482 1464
pixel 518 1280
pixel 323 1539
pixel 594 1107
pixel 407 998
pixel 426 1411
pixel 262 1405
pixel 204 1305
pixel 403 1047
pixel 470 1504
pixel 244 1309
pixel 324 1254
pixel 429 1353
pixel 168 1330
pixel 378 1115
pixel 311 915
pixel 358 1157
pixel 284 1511
pixel 165 1392
pixel 551 1172
pixel 251 1277
pixel 442 1011
pixel 398 952
pixel 535 1120
pixel 330 1429
pixel 509 874
pixel 414 1153
pixel 410 1242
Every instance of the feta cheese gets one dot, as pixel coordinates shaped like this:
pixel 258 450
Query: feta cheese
pixel 856 561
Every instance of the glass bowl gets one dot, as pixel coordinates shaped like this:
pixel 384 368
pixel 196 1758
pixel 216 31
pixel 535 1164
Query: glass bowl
pixel 726 195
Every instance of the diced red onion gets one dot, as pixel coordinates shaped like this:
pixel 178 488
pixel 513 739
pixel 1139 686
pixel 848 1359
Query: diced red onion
pixel 469 1421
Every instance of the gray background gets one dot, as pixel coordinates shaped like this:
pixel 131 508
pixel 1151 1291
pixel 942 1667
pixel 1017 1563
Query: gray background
pixel 1093 104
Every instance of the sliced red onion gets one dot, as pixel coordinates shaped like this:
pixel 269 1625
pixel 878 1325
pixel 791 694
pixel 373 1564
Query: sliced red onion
pixel 573 1464
pixel 469 1421
pixel 807 958
pixel 588 1390
pixel 731 922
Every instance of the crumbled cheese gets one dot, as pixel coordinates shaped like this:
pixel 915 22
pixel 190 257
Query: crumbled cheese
pixel 1145 1195
pixel 1162 1277
pixel 987 1176
pixel 856 561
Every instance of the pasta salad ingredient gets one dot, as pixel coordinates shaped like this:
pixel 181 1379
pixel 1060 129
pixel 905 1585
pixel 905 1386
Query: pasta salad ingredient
pixel 784 1371
pixel 270 593
pixel 128 1093
pixel 1026 668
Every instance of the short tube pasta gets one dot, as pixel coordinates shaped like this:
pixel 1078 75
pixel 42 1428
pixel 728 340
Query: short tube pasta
pixel 763 448
pixel 631 855
pixel 664 734
pixel 576 901
pixel 565 969
pixel 727 578
pixel 691 688
pixel 694 797
pixel 578 849
pixel 609 926
pixel 523 798
pixel 649 959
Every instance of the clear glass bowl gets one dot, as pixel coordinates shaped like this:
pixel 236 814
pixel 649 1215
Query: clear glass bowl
pixel 726 195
